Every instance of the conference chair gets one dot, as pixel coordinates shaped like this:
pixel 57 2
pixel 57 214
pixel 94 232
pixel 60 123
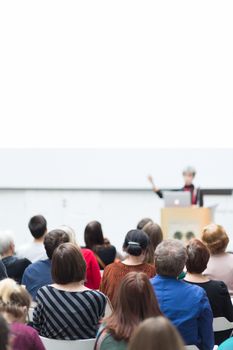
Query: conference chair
pixel 221 324
pixel 108 308
pixel 54 344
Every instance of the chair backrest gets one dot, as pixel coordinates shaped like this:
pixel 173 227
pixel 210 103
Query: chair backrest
pixel 221 324
pixel 191 347
pixel 54 344
pixel 108 308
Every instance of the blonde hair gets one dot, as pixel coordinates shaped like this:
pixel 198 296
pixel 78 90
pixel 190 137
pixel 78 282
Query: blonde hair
pixel 70 232
pixel 215 238
pixel 155 334
pixel 13 298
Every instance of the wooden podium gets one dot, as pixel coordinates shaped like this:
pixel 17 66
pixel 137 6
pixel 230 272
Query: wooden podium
pixel 184 223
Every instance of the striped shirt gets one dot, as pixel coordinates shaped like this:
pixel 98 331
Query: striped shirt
pixel 68 315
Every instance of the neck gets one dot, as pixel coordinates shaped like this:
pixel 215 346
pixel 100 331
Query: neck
pixel 10 318
pixel 134 260
pixel 72 287
pixel 5 255
pixel 196 277
pixel 39 240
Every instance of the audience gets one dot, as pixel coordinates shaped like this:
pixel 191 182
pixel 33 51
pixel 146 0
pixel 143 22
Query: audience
pixel 38 274
pixel 218 295
pixel 14 266
pixel 142 223
pixel 67 309
pixel 156 333
pixel 135 302
pixel 35 251
pixel 135 245
pixel 155 234
pixel 14 306
pixel 93 276
pixel 220 265
pixel 105 252
pixel 4 334
pixel 3 273
pixel 186 305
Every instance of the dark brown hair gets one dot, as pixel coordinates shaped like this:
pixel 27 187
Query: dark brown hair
pixel 198 256
pixel 4 334
pixel 155 334
pixel 155 234
pixel 93 235
pixel 53 239
pixel 68 264
pixel 37 226
pixel 215 238
pixel 143 222
pixel 135 302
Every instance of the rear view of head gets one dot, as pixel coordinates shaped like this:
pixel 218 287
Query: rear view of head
pixel 37 226
pixel 170 258
pixel 143 222
pixel 53 239
pixel 155 235
pixel 14 300
pixel 68 264
pixel 70 231
pixel 136 242
pixel 93 234
pixel 7 246
pixel 156 334
pixel 198 256
pixel 135 301
pixel 4 334
pixel 215 238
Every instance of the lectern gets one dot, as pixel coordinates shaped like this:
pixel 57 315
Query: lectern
pixel 184 223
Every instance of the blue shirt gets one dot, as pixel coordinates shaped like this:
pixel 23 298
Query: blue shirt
pixel 188 308
pixel 36 276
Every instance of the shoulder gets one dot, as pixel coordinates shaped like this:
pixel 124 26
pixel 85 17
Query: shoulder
pixel 87 253
pixel 23 329
pixel 113 267
pixel 96 294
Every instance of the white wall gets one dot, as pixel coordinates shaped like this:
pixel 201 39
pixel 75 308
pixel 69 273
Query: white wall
pixel 113 168
pixel 118 211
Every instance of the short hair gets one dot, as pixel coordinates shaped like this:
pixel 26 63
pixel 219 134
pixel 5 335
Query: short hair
pixel 37 226
pixel 70 231
pixel 4 334
pixel 215 238
pixel 143 222
pixel 68 264
pixel 53 239
pixel 136 242
pixel 134 302
pixel 93 234
pixel 13 297
pixel 198 256
pixel 6 240
pixel 170 258
pixel 189 170
pixel 155 234
pixel 156 333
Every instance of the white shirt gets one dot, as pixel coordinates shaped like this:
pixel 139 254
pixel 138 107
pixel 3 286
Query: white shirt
pixel 33 251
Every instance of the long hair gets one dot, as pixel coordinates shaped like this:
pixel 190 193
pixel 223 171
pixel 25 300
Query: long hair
pixel 135 302
pixel 93 235
pixel 156 334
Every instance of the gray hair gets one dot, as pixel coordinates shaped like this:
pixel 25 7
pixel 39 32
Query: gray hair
pixel 170 258
pixel 6 240
pixel 189 170
pixel 70 231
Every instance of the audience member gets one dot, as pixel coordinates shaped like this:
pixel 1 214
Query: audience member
pixel 220 265
pixel 142 223
pixel 135 245
pixel 155 234
pixel 105 252
pixel 93 276
pixel 156 333
pixel 4 334
pixel 14 266
pixel 3 273
pixel 186 305
pixel 35 251
pixel 38 274
pixel 14 305
pixel 219 297
pixel 67 309
pixel 135 302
